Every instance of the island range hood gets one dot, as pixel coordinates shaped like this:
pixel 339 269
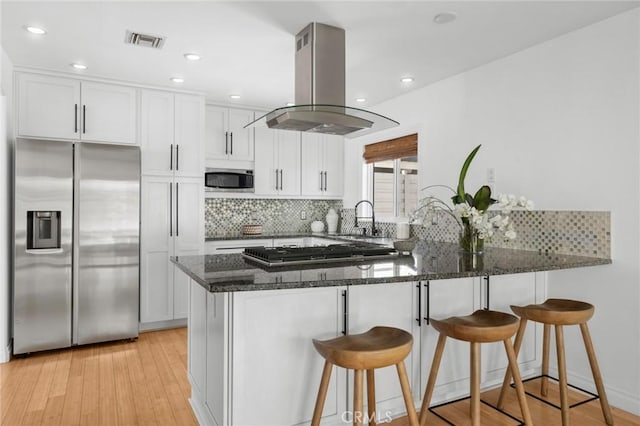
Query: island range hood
pixel 320 90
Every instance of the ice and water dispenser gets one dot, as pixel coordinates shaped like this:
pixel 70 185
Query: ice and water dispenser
pixel 43 229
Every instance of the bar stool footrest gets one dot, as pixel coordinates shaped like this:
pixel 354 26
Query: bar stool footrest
pixel 594 396
pixel 441 417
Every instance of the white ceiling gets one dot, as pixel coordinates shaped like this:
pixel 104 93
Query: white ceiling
pixel 247 48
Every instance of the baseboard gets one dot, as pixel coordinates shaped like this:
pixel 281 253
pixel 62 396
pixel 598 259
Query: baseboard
pixel 162 325
pixel 617 398
pixel 5 354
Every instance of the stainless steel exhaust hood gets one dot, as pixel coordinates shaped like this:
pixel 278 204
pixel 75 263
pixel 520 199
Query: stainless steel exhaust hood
pixel 320 90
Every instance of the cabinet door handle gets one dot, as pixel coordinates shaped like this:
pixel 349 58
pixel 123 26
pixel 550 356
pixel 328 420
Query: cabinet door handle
pixel 177 210
pixel 320 181
pixel 171 157
pixel 325 180
pixel 84 119
pixel 276 179
pixel 75 118
pixel 170 209
pixel 427 312
pixel 280 179
pixel 226 143
pixel 345 312
pixel 419 287
pixel 177 158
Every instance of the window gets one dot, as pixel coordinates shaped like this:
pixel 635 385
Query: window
pixel 391 176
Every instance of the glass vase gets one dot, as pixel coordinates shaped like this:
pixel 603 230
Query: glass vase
pixel 469 240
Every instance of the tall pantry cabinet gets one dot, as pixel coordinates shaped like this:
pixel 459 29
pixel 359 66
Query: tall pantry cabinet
pixel 172 139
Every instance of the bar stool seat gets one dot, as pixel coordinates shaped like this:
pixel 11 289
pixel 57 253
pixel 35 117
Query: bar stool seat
pixel 379 347
pixel 560 312
pixel 482 326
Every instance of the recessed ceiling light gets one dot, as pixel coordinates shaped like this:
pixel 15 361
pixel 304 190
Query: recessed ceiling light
pixel 361 100
pixel 444 17
pixel 192 56
pixel 177 79
pixel 79 66
pixel 407 79
pixel 35 30
pixel 234 96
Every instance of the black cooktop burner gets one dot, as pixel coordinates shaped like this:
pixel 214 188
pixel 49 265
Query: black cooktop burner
pixel 318 254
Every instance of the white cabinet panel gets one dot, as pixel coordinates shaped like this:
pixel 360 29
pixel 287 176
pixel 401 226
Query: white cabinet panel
pixel 109 113
pixel 322 165
pixel 171 225
pixel 65 108
pixel 189 136
pixel 507 290
pixel 48 106
pixel 277 166
pixel 157 132
pixel 446 298
pixel 197 334
pixel 156 285
pixel 226 138
pixel 268 340
pixel 392 305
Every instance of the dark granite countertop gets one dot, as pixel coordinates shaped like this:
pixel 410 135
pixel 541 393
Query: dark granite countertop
pixel 239 236
pixel 429 261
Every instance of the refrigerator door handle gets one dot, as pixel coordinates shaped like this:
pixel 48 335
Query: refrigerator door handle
pixel 170 210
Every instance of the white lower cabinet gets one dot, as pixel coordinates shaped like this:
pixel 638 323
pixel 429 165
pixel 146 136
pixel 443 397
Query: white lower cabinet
pixel 443 299
pixel 172 225
pixel 252 361
pixel 392 305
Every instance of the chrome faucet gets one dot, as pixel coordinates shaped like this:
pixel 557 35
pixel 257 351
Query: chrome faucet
pixel 373 217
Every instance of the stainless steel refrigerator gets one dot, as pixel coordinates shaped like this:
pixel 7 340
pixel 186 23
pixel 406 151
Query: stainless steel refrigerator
pixel 76 253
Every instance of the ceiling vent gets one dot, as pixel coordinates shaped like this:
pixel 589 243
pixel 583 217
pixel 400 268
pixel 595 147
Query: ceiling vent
pixel 145 40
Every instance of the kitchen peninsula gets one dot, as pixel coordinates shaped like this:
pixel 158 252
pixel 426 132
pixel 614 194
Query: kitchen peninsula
pixel 250 355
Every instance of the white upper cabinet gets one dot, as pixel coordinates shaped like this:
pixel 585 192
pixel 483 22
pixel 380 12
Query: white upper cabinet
pixel 172 134
pixel 322 165
pixel 64 108
pixel 157 132
pixel 189 135
pixel 108 113
pixel 277 166
pixel 225 136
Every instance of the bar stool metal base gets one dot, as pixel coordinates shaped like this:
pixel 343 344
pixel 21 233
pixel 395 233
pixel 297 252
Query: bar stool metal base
pixel 444 419
pixel 594 396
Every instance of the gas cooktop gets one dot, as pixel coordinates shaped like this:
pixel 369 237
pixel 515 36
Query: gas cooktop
pixel 348 252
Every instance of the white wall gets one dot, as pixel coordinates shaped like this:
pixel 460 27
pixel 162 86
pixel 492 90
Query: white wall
pixel 560 123
pixel 6 141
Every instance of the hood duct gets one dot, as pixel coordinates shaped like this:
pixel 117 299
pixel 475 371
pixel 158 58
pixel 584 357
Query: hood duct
pixel 320 90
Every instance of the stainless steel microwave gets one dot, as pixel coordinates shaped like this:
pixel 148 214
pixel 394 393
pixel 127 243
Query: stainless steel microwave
pixel 228 180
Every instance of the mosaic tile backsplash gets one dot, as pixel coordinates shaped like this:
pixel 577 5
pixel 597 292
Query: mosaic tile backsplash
pixel 582 233
pixel 226 216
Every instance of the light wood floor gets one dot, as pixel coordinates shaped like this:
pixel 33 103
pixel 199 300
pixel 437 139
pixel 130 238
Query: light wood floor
pixel 145 383
pixel 122 383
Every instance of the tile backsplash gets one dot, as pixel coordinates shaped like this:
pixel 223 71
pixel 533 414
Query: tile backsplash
pixel 583 233
pixel 226 216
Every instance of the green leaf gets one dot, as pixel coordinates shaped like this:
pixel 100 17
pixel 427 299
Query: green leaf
pixel 482 200
pixel 460 198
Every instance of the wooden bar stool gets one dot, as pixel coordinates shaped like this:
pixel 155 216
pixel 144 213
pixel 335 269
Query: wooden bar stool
pixel 560 312
pixel 482 326
pixel 377 348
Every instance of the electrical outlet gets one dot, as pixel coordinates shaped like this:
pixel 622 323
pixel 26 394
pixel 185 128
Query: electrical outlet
pixel 491 175
pixel 303 215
